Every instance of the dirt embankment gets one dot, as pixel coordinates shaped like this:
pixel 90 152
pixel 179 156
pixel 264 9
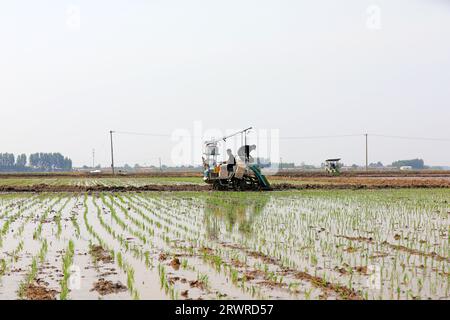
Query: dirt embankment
pixel 38 188
pixel 369 173
pixel 283 173
pixel 361 184
pixel 101 188
pixel 74 175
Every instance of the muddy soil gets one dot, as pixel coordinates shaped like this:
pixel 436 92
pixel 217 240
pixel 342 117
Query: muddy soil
pixel 282 185
pixel 37 291
pixel 366 182
pixel 101 254
pixel 101 188
pixel 370 173
pixel 282 173
pixel 104 287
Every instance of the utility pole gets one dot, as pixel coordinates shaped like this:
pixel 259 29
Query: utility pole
pixel 112 151
pixel 160 166
pixel 367 152
pixel 93 158
pixel 281 164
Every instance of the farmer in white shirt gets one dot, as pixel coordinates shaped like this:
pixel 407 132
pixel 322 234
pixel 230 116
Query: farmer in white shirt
pixel 231 162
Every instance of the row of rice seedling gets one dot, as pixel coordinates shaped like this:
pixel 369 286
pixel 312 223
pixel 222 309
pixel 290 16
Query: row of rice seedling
pixel 385 244
pixel 177 232
pixel 165 240
pixel 343 263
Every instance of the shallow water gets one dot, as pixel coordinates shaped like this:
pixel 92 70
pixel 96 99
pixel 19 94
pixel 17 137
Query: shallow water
pixel 384 244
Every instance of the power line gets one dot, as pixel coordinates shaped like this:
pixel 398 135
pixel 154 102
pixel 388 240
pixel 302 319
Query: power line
pixel 411 138
pixel 143 134
pixel 322 137
pixel 287 138
pixel 301 137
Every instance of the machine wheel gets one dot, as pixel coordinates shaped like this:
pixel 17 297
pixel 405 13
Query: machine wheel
pixel 236 184
pixel 221 186
pixel 216 185
pixel 241 185
pixel 247 183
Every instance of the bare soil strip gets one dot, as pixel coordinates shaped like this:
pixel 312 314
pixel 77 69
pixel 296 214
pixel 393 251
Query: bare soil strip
pixel 282 173
pixel 358 186
pixel 38 188
pixel 102 188
pixel 432 255
pixel 343 291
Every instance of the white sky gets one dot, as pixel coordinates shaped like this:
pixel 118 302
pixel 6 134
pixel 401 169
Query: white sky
pixel 307 68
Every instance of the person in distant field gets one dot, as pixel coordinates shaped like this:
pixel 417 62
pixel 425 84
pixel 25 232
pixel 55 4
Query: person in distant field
pixel 244 153
pixel 231 162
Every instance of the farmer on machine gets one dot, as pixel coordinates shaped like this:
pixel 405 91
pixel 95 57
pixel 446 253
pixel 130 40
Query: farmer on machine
pixel 244 153
pixel 231 162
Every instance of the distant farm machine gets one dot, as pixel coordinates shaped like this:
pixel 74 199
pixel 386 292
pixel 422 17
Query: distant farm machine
pixel 333 166
pixel 242 175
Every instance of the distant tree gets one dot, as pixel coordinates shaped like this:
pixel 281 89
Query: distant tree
pixel 7 161
pixel 67 164
pixel 376 165
pixel 287 165
pixel 50 162
pixel 414 163
pixel 307 166
pixel 21 160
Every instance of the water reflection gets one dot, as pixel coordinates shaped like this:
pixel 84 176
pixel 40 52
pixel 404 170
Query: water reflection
pixel 231 212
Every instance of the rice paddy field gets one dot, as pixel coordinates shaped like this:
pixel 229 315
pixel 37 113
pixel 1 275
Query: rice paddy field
pixel 101 181
pixel 310 244
pixel 290 180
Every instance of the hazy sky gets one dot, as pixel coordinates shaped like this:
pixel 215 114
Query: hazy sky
pixel 307 68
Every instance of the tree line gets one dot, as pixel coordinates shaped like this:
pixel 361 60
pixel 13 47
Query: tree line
pixel 35 162
pixel 414 164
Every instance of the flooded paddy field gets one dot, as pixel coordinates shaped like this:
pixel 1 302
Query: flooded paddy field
pixel 166 181
pixel 86 181
pixel 311 244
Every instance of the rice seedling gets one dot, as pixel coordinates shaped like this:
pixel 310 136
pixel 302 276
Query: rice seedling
pixel 3 267
pixel 288 244
pixel 31 275
pixel 66 264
